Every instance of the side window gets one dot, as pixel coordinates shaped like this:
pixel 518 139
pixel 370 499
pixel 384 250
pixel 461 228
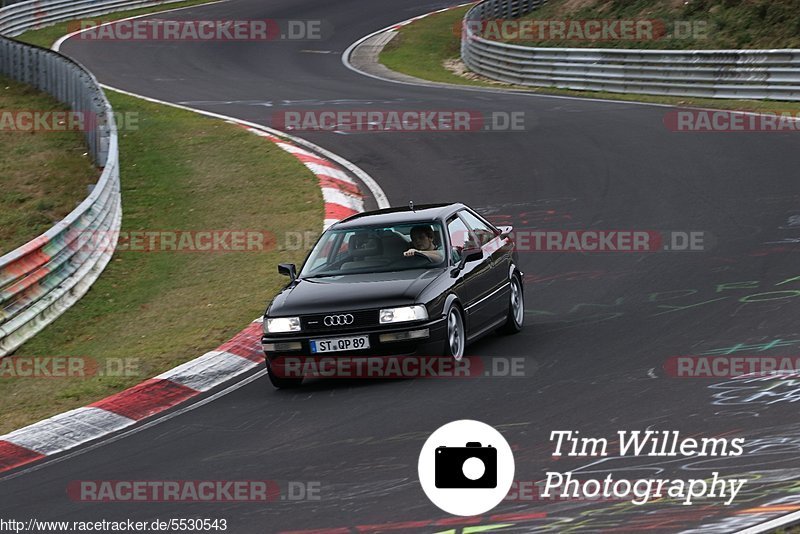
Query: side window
pixel 459 237
pixel 483 232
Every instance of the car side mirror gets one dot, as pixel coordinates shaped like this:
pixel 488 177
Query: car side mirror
pixel 471 254
pixel 288 269
pixel 505 231
pixel 467 255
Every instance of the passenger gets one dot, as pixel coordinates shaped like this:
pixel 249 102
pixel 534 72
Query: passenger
pixel 422 241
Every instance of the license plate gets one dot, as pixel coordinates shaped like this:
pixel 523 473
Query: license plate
pixel 340 344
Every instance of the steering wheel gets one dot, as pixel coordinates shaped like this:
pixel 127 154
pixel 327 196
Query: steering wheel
pixel 418 253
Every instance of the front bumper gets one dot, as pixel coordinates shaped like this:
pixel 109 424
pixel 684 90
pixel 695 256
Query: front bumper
pixel 276 346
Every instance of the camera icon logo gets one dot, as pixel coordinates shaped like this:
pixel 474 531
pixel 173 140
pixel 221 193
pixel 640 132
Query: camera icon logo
pixel 472 466
pixel 466 468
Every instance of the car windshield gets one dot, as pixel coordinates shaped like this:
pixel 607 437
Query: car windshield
pixel 376 249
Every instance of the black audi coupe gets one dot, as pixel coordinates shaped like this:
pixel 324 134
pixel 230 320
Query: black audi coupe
pixel 415 281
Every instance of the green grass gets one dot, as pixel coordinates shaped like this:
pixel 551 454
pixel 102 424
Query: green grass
pixel 729 23
pixel 49 35
pixel 422 49
pixel 179 171
pixel 45 174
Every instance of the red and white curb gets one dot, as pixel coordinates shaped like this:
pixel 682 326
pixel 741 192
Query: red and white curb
pixel 340 193
pixel 75 427
pixel 242 353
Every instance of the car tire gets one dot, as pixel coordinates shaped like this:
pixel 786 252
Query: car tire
pixel 455 333
pixel 516 308
pixel 283 382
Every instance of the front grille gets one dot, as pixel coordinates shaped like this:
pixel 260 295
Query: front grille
pixel 361 319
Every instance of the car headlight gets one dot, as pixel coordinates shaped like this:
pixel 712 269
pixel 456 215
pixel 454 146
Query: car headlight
pixel 280 325
pixel 401 315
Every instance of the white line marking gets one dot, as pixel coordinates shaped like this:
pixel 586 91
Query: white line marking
pixel 375 189
pixel 57 45
pixel 453 86
pixel 380 197
pixel 774 524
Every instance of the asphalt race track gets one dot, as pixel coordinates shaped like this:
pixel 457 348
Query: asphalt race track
pixel 600 327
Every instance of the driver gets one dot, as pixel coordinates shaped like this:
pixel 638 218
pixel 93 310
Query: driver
pixel 422 241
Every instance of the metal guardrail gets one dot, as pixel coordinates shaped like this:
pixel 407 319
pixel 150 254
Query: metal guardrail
pixel 34 14
pixel 45 277
pixel 744 74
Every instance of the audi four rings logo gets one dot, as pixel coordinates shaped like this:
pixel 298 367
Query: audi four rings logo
pixel 338 320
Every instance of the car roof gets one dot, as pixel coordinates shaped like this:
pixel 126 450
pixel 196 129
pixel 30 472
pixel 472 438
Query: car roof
pixel 390 216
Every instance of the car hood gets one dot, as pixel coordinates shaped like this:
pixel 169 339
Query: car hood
pixel 352 292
